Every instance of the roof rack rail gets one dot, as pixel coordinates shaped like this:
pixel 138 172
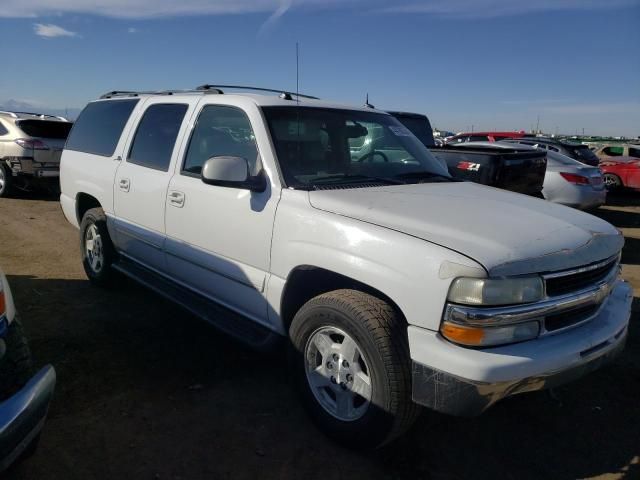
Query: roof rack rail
pixel 15 114
pixel 133 93
pixel 217 89
pixel 283 93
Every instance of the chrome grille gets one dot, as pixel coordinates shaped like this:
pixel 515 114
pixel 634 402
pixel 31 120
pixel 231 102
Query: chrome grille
pixel 575 280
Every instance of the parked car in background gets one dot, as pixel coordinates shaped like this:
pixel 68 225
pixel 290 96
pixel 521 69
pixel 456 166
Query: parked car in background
pixel 516 170
pixel 483 137
pixel 566 181
pixel 612 152
pixel 24 399
pixel 577 151
pixel 30 149
pixel 621 172
pixel 277 216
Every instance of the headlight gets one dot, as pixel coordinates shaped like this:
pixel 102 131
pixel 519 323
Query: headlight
pixel 487 291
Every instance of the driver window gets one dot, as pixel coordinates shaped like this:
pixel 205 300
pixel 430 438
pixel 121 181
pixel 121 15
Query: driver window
pixel 221 131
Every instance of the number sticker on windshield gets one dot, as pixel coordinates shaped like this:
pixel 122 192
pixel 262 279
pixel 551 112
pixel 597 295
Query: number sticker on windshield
pixel 400 131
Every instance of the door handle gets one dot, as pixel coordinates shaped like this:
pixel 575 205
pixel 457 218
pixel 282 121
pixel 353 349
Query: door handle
pixel 124 184
pixel 176 199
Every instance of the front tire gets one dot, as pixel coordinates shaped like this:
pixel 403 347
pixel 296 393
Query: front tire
pixel 15 365
pixel 351 364
pixel 98 252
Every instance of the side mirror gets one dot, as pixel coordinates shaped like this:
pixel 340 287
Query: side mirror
pixel 231 172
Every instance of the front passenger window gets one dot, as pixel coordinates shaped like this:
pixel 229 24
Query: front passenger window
pixel 221 131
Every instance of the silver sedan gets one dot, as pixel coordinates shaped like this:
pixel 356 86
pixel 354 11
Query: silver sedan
pixel 572 183
pixel 566 181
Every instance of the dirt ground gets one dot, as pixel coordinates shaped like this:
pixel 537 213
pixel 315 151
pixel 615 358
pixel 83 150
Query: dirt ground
pixel 146 391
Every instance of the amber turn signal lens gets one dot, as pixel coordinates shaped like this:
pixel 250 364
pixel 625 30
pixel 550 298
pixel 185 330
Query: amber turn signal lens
pixel 462 335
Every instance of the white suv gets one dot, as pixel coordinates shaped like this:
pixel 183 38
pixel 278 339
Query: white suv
pixel 394 285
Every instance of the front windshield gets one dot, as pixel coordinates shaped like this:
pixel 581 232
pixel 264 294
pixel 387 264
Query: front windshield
pixel 317 146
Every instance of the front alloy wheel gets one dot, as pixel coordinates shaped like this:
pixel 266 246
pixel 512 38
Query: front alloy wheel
pixel 350 359
pixel 338 374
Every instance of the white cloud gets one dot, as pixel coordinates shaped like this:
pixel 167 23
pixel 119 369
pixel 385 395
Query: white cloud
pixel 132 30
pixel 49 30
pixel 284 7
pixel 153 8
pixel 500 8
pixel 167 8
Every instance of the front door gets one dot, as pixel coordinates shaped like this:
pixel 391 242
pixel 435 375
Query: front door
pixel 219 238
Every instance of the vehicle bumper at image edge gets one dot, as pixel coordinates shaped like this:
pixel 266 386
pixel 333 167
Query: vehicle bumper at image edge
pixel 22 416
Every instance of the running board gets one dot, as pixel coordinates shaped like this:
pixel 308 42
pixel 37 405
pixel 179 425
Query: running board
pixel 231 323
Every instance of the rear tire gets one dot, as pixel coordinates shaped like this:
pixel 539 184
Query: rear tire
pixel 612 181
pixel 6 181
pixel 346 341
pixel 98 252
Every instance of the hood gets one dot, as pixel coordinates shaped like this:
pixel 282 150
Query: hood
pixel 507 233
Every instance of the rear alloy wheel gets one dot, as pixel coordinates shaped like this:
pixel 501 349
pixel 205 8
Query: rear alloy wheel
pixel 98 252
pixel 612 181
pixel 6 181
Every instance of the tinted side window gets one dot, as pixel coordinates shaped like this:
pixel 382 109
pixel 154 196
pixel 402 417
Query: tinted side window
pixel 99 126
pixel 478 138
pixel 156 136
pixel 634 152
pixel 221 131
pixel 613 151
pixel 3 130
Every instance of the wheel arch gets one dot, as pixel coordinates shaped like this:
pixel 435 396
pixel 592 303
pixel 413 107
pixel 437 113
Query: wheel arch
pixel 84 202
pixel 305 282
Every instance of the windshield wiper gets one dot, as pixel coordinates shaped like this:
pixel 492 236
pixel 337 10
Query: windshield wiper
pixel 346 178
pixel 425 175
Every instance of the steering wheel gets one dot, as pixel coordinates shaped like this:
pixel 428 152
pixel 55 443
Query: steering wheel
pixel 372 154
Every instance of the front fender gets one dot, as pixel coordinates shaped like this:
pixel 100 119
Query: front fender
pixel 413 273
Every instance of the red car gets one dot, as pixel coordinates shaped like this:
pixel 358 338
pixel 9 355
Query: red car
pixel 484 137
pixel 621 172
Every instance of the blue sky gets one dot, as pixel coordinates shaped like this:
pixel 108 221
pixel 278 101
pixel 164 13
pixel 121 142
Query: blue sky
pixel 493 64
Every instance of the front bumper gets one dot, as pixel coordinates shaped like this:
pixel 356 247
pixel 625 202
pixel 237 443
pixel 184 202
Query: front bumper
pixel 22 416
pixel 465 382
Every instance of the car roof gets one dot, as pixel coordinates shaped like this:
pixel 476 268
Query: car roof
pixel 490 133
pixel 286 99
pixel 500 144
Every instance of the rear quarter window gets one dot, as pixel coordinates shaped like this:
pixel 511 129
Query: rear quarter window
pixel 99 127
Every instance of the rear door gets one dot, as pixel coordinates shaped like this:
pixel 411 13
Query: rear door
pixel 141 181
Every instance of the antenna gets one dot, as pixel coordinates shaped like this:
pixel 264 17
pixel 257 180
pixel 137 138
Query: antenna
pixel 366 102
pixel 297 72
